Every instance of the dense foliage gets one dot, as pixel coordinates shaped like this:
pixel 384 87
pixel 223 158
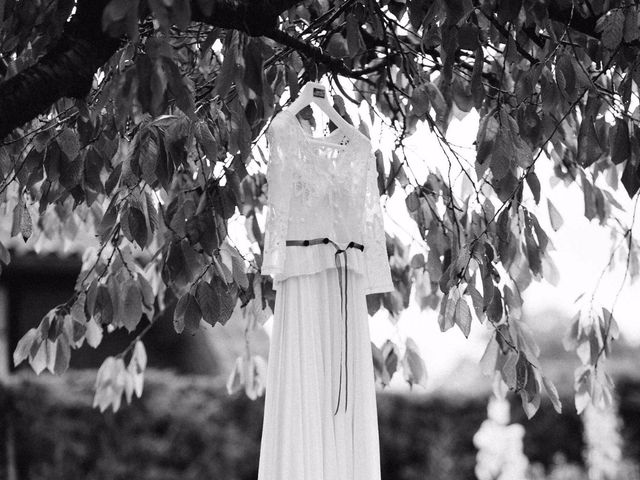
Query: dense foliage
pixel 141 118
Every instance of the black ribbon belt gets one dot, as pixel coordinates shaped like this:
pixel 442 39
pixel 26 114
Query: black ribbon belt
pixel 343 299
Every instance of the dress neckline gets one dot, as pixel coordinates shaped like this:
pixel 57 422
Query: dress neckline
pixel 324 139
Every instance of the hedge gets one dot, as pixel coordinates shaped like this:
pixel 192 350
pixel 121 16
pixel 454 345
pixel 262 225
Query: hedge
pixel 187 427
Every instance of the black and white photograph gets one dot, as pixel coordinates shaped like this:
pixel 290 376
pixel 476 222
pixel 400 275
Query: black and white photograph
pixel 319 240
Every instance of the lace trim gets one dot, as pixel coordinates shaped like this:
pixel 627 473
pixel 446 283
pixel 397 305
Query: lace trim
pixel 312 177
pixel 377 261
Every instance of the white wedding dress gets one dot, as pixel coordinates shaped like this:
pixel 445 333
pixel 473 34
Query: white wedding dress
pixel 320 418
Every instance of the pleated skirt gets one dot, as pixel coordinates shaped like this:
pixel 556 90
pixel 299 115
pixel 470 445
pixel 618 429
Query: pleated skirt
pixel 302 439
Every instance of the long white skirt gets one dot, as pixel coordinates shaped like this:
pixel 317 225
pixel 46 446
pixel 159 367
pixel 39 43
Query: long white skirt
pixel 301 437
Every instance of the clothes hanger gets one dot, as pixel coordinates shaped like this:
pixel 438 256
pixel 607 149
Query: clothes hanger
pixel 314 92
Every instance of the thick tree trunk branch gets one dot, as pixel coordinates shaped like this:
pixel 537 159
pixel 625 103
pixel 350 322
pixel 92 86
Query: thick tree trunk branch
pixel 67 69
pixel 255 17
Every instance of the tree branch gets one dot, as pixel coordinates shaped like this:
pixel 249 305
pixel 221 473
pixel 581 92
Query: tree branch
pixel 67 69
pixel 336 65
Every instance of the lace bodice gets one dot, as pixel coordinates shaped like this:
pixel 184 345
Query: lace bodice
pixel 322 187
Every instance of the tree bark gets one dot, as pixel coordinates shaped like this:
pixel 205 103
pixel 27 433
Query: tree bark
pixel 67 69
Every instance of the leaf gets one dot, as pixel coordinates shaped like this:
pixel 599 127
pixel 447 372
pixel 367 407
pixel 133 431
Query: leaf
pixel 41 358
pixel 179 89
pixel 26 225
pixel 420 101
pixel 413 365
pixel 489 357
pixel 187 314
pixel 5 256
pixel 533 252
pixel 564 67
pixel 397 173
pixel 611 28
pixel 530 407
pixel 631 177
pixel 255 376
pixel 138 226
pixel 463 316
pixel 93 334
pixel 494 308
pixel 390 358
pixel 502 154
pixel 226 299
pixel 381 174
pixel 631 30
pixel 148 297
pixel 103 310
pixel 69 143
pixel 514 302
pixel 108 219
pixel 52 161
pixel 438 102
pixel 207 141
pixel 236 377
pixel 209 303
pixel 63 355
pixel 238 271
pixel 132 305
pixel 477 88
pixel 446 318
pixel 582 388
pixel 412 201
pixel 136 368
pixel 522 373
pixel 619 142
pixel 485 138
pixel 417 261
pixel 23 348
pixel 111 380
pixel 589 149
pixel 476 298
pixel 534 185
pixel 354 37
pixel 554 216
pixel 553 394
pixel 21 221
pixel 508 369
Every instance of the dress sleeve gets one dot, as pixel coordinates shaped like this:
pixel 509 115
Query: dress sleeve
pixel 278 196
pixel 375 251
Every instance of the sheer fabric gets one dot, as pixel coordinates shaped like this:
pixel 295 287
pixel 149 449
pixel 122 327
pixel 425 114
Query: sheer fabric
pixel 321 188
